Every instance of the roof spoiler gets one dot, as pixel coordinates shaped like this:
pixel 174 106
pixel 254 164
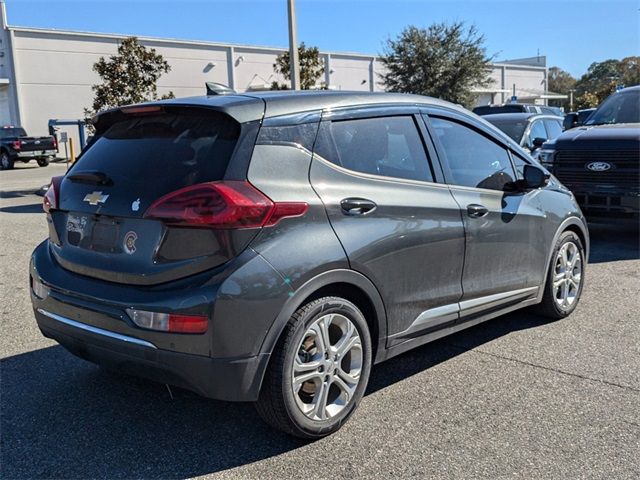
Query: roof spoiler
pixel 218 89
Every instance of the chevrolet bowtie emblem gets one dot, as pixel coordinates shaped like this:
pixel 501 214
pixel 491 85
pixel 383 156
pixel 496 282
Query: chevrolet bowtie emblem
pixel 94 198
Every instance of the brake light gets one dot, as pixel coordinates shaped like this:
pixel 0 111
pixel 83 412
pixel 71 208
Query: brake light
pixel 17 144
pixel 226 204
pixel 169 322
pixel 51 199
pixel 142 110
pixel 55 143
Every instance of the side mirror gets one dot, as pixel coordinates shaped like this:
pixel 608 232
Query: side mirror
pixel 537 142
pixel 534 177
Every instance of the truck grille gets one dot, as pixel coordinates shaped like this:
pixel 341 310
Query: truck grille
pixel 571 168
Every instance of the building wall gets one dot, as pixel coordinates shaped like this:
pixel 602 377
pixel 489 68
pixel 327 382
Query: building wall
pixel 50 72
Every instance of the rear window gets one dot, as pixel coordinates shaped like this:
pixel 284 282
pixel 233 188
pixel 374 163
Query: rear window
pixel 513 128
pixel 12 132
pixel 164 151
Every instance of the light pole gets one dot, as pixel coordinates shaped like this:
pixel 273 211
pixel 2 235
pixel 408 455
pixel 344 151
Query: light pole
pixel 294 63
pixel 571 99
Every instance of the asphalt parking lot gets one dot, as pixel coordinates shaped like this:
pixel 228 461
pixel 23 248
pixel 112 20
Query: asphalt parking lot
pixel 517 397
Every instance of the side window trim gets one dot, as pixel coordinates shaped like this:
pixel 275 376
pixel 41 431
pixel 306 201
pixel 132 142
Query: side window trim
pixel 442 156
pixel 435 163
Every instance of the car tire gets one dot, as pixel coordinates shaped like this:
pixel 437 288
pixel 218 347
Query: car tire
pixel 335 384
pixel 6 162
pixel 565 278
pixel 43 162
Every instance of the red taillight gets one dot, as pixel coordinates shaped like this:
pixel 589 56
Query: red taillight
pixel 55 143
pixel 17 144
pixel 227 204
pixel 52 196
pixel 187 323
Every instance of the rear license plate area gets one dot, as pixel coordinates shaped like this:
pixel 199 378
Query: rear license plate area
pixel 105 235
pixel 93 233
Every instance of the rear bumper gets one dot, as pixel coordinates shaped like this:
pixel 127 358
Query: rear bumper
pixel 36 154
pixel 223 379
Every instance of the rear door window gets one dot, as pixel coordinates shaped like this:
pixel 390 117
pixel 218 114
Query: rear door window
pixel 554 128
pixel 385 146
pixel 164 151
pixel 473 159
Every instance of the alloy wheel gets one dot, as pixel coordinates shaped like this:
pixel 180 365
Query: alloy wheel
pixel 327 366
pixel 567 275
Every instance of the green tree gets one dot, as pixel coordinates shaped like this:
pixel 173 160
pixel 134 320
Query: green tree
pixel 443 61
pixel 311 68
pixel 602 78
pixel 560 82
pixel 128 77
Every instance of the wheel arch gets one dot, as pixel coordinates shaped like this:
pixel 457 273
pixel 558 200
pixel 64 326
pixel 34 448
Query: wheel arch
pixel 573 224
pixel 348 284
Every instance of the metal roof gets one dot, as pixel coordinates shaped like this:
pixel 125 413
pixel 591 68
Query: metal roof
pixel 255 106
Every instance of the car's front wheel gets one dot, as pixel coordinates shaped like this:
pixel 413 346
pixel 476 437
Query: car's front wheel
pixel 565 278
pixel 319 370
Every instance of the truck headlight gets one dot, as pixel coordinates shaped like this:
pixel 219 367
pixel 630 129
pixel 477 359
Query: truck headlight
pixel 545 156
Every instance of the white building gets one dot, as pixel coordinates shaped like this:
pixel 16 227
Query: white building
pixel 47 74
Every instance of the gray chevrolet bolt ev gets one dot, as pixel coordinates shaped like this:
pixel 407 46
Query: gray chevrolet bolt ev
pixel 273 247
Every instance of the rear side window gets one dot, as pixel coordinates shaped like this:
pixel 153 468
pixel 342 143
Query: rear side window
pixel 473 159
pixel 386 146
pixel 165 151
pixel 554 128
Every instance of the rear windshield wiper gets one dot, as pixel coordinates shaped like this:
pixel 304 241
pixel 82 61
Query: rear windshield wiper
pixel 92 178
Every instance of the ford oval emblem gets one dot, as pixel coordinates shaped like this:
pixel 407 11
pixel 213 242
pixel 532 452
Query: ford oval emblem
pixel 599 166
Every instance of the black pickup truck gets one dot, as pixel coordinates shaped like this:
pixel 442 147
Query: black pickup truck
pixel 16 146
pixel 600 161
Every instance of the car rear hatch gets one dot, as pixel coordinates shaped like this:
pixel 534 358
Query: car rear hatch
pixel 147 202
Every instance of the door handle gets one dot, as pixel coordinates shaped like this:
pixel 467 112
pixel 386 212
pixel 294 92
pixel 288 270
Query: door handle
pixel 476 211
pixel 357 206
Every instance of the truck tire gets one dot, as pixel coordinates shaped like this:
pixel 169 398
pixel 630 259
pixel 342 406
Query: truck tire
pixel 43 162
pixel 6 162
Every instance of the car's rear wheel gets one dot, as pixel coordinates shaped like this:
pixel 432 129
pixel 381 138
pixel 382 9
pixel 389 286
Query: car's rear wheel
pixel 43 162
pixel 6 162
pixel 565 278
pixel 319 370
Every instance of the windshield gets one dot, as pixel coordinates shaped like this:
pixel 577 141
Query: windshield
pixel 12 132
pixel 622 107
pixel 513 128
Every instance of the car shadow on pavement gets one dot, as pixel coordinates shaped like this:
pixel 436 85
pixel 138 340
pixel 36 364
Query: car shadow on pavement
pixel 610 243
pixel 66 418
pixel 17 193
pixel 30 208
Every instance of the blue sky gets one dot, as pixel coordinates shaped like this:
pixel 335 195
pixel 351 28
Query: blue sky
pixel 572 33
